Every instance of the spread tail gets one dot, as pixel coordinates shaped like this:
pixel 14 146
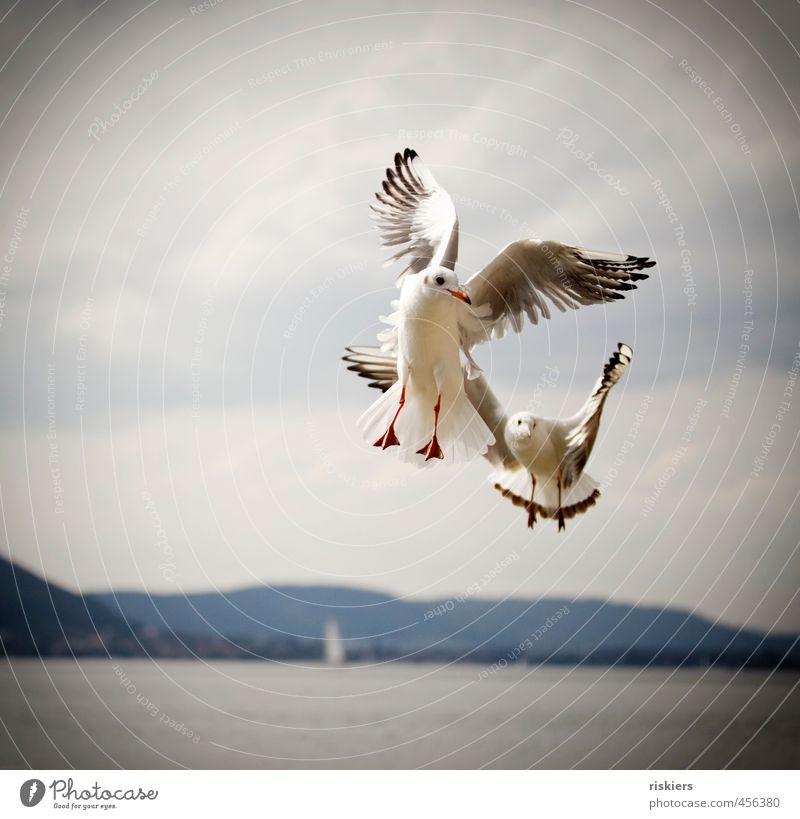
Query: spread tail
pixel 515 484
pixel 462 434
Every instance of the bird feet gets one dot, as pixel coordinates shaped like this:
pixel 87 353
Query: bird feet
pixel 432 449
pixel 388 438
pixel 561 524
pixel 532 505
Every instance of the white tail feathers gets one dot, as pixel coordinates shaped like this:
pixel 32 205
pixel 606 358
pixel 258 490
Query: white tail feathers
pixel 462 433
pixel 580 496
pixel 515 484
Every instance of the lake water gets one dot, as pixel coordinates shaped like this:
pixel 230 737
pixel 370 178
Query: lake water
pixel 148 714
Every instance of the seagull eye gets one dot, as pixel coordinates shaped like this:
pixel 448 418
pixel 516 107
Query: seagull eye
pixel 519 423
pixel 440 280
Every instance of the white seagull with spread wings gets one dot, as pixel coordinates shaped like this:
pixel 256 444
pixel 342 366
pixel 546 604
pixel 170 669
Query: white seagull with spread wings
pixel 538 462
pixel 427 412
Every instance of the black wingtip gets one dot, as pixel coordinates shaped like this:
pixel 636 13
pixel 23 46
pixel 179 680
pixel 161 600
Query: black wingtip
pixel 641 261
pixel 410 154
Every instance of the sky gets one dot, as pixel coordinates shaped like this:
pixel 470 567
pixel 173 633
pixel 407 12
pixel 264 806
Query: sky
pixel 187 251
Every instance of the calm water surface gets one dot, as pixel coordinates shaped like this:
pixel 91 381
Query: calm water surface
pixel 148 714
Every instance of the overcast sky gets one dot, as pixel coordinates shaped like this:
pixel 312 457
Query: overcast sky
pixel 187 250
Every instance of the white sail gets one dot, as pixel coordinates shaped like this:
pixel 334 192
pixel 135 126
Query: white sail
pixel 334 647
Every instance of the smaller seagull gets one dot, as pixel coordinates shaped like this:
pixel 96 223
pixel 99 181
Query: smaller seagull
pixel 538 462
pixel 547 474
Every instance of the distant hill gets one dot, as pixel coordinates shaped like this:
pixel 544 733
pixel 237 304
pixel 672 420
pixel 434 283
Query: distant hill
pixel 40 618
pixel 288 622
pixel 375 625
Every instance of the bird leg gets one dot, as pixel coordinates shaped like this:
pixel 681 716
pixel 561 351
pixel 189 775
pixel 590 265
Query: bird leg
pixel 560 510
pixel 532 507
pixel 389 438
pixel 433 450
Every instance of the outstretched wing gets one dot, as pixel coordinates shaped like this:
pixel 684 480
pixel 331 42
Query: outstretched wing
pixel 380 368
pixel 582 428
pixel 489 408
pixel 417 216
pixel 527 274
pixel 371 362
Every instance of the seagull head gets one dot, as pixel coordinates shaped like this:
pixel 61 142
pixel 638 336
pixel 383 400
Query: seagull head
pixel 444 281
pixel 520 427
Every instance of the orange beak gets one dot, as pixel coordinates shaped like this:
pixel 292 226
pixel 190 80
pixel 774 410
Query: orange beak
pixel 460 294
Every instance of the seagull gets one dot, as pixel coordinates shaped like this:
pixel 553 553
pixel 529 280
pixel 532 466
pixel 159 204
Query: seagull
pixel 432 314
pixel 538 463
pixel 427 412
pixel 549 455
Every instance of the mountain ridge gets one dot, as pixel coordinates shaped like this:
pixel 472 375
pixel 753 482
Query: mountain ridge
pixel 286 622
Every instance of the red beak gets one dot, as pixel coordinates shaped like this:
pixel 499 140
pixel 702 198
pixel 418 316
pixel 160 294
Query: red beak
pixel 460 294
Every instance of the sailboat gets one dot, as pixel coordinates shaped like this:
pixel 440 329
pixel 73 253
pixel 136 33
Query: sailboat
pixel 335 653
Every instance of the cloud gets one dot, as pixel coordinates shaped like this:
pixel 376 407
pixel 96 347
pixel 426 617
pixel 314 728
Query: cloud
pixel 187 279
